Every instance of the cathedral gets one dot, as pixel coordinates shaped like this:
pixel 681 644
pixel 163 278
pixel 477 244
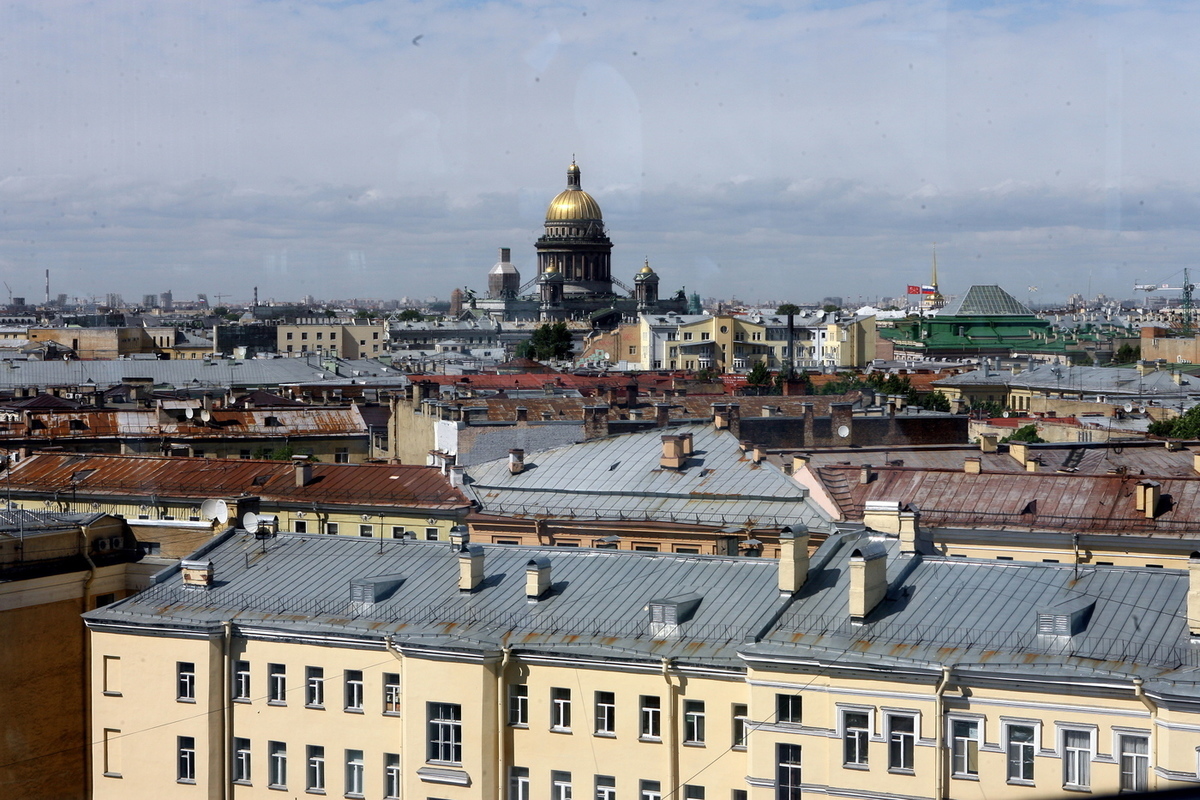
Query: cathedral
pixel 574 280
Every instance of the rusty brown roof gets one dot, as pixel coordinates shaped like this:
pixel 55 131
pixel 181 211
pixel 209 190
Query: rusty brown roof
pixel 1028 500
pixel 224 423
pixel 202 478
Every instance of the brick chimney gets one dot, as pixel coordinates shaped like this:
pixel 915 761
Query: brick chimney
pixel 516 461
pixel 470 567
pixel 988 443
pixel 595 422
pixel 672 453
pixel 972 465
pixel 631 393
pixel 734 415
pixel 1147 494
pixel 868 579
pixel 302 469
pixel 686 440
pixel 537 578
pixel 196 573
pixel 720 416
pixel 522 414
pixel 793 559
pixel 865 475
pixel 841 415
pixel 662 414
pixel 809 434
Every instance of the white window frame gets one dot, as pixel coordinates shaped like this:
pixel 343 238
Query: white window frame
pixel 242 764
pixel 606 714
pixel 185 681
pixel 241 681
pixel 1006 725
pixel 650 718
pixel 391 693
pixel 277 684
pixel 789 702
pixel 391 776
pixel 444 733
pixel 353 694
pixel 314 768
pixel 741 724
pixel 560 709
pixel 518 705
pixel 277 765
pixel 606 787
pixel 518 783
pixel 560 785
pixel 907 741
pixel 314 687
pixel 860 736
pixel 1119 734
pixel 792 769
pixel 952 742
pixel 650 790
pixel 185 761
pixel 693 722
pixel 1072 764
pixel 356 769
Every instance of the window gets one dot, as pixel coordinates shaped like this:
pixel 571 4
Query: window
pixel 289 336
pixel 391 693
pixel 1077 758
pixel 606 714
pixel 314 687
pixel 650 790
pixel 902 735
pixel 964 747
pixel 518 704
pixel 331 528
pixel 738 794
pixel 320 335
pixel 112 753
pixel 445 733
pixel 431 534
pixel 354 773
pixel 354 690
pixel 112 676
pixel 185 681
pixel 303 335
pixel 277 765
pixel 366 530
pixel 651 717
pixel 1020 752
pixel 1135 762
pixel 241 760
pixel 855 734
pixel 560 785
pixel 693 721
pixel 787 772
pixel 391 776
pixel 741 725
pixel 518 783
pixel 341 455
pixel 186 772
pixel 787 708
pixel 606 787
pixel 300 526
pixel 241 681
pixel 315 769
pixel 560 709
pixel 397 531
pixel 692 792
pixel 276 684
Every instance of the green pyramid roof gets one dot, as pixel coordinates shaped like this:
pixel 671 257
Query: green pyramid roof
pixel 986 301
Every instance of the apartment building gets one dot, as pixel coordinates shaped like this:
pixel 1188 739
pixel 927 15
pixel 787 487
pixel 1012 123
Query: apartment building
pixel 350 339
pixel 874 668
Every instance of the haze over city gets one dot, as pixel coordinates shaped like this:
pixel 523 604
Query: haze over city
pixel 783 151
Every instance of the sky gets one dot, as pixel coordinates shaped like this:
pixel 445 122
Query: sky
pixel 759 150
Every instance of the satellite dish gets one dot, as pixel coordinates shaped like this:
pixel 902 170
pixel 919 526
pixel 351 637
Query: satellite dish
pixel 189 413
pixel 215 510
pixel 268 522
pixel 843 431
pixel 1129 408
pixel 250 522
pixel 1006 415
pixel 205 415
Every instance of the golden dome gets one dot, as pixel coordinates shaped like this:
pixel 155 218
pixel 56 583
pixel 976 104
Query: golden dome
pixel 646 269
pixel 573 203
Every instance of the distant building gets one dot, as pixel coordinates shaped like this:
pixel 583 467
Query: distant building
pixel 345 338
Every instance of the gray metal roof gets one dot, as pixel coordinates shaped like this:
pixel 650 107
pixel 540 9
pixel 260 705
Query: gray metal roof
pixel 986 301
pixel 597 605
pixel 1089 380
pixel 620 477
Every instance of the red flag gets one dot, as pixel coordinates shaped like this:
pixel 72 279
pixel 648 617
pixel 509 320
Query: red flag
pixel 914 289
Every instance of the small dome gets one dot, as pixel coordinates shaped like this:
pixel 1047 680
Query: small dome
pixel 646 269
pixel 503 268
pixel 573 203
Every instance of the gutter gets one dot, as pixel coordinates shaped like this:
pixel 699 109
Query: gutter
pixel 939 748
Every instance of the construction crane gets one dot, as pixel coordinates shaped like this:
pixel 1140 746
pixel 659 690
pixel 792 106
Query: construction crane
pixel 1185 297
pixel 6 286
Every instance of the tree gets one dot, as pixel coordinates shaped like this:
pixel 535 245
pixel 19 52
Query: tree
pixel 1026 433
pixel 933 401
pixel 1127 354
pixel 409 315
pixel 758 381
pixel 788 308
pixel 829 307
pixel 1186 426
pixel 549 341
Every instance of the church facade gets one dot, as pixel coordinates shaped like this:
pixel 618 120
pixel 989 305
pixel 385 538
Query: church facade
pixel 574 280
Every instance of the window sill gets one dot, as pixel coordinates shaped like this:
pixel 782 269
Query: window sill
pixel 560 730
pixel 113 694
pixel 652 739
pixel 524 725
pixel 314 791
pixel 242 783
pixel 245 700
pixel 278 787
pixel 900 771
pixel 1073 788
pixel 605 734
pixel 695 744
pixel 352 711
pixel 860 767
pixel 354 795
pixel 391 713
pixel 964 777
pixel 188 781
pixel 1019 782
pixel 185 700
pixel 277 702
pixel 314 707
pixel 740 748
pixel 113 775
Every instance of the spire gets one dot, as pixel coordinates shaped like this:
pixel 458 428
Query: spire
pixel 934 284
pixel 573 175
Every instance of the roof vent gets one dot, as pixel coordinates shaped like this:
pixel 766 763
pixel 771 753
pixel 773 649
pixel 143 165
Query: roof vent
pixel 537 578
pixel 667 614
pixel 366 592
pixel 1066 618
pixel 197 573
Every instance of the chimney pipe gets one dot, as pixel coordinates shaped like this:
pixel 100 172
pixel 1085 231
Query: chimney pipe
pixel 865 475
pixel 516 461
pixel 196 573
pixel 686 440
pixel 868 579
pixel 799 462
pixel 793 559
pixel 662 414
pixel 537 578
pixel 910 530
pixel 672 453
pixel 302 468
pixel 1147 495
pixel 470 567
pixel 522 414
pixel 972 465
pixel 988 443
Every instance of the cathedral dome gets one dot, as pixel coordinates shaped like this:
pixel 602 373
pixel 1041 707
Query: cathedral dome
pixel 573 203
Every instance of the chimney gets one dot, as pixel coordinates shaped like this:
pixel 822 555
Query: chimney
pixel 865 475
pixel 841 419
pixel 1147 495
pixel 1193 595
pixel 807 413
pixel 456 475
pixel 757 453
pixel 868 579
pixel 516 461
pixel 672 453
pixel 686 440
pixel 595 422
pixel 302 468
pixel 196 573
pixel 799 462
pixel 972 465
pixel 720 416
pixel 793 559
pixel 770 411
pixel 987 443
pixel 470 567
pixel 1032 465
pixel 537 578
pixel 1019 451
pixel 460 535
pixel 522 414
pixel 662 414
pixel 734 415
pixel 635 413
pixel 910 530
pixel 631 393
pixel 882 515
pixel 547 415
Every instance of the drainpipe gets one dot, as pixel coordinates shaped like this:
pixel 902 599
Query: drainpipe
pixel 939 723
pixel 86 677
pixel 1140 693
pixel 672 732
pixel 502 726
pixel 227 707
pixel 390 643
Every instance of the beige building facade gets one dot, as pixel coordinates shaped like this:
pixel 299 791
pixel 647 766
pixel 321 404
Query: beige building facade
pixel 352 339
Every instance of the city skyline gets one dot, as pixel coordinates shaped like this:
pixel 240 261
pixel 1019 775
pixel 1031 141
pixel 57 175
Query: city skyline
pixel 382 150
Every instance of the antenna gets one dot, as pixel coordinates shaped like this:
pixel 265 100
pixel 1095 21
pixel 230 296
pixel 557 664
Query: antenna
pixel 250 522
pixel 189 413
pixel 215 510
